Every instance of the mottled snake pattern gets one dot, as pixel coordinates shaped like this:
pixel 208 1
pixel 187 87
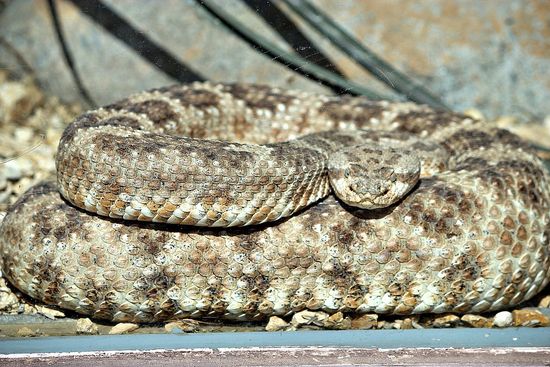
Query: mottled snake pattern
pixel 471 236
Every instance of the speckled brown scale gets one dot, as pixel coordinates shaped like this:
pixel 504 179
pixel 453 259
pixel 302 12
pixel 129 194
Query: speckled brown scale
pixel 125 160
pixel 472 236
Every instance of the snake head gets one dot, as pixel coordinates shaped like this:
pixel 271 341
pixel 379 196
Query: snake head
pixel 374 177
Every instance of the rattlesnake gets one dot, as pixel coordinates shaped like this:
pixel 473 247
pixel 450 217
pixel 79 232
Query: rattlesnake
pixel 472 235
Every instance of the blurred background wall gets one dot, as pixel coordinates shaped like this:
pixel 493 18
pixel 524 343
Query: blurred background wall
pixel 491 55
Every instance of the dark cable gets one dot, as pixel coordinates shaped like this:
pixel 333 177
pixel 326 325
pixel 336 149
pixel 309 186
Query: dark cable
pixel 138 41
pixel 348 44
pixel 288 59
pixel 290 32
pixel 67 54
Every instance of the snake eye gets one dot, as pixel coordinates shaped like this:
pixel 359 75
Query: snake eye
pixel 347 173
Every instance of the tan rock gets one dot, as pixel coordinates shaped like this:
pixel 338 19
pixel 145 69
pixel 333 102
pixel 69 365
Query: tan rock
pixel 22 185
pixel 29 309
pixel 386 325
pixel 25 332
pixel 474 113
pixel 123 327
pixel 53 136
pixel 530 317
pixel 476 321
pixel 50 313
pixel 337 321
pixel 308 318
pixel 545 302
pixel 17 100
pixel 367 321
pixel 446 321
pixel 407 324
pixel 8 301
pixel 187 325
pixel 397 324
pixel 275 323
pixel 506 122
pixel 416 324
pixel 86 326
pixel 172 327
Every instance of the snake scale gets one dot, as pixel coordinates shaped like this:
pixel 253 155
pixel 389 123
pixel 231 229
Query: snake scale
pixel 472 235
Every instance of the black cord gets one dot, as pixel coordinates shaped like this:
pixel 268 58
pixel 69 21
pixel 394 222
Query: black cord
pixel 67 54
pixel 348 44
pixel 292 61
pixel 117 26
pixel 291 33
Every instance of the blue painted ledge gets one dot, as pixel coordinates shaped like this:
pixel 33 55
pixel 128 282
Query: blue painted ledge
pixel 386 339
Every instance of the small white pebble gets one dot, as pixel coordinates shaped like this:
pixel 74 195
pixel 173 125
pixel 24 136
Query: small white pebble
pixel 23 134
pixel 12 171
pixel 503 319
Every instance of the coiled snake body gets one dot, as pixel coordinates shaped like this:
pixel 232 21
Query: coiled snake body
pixel 472 235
